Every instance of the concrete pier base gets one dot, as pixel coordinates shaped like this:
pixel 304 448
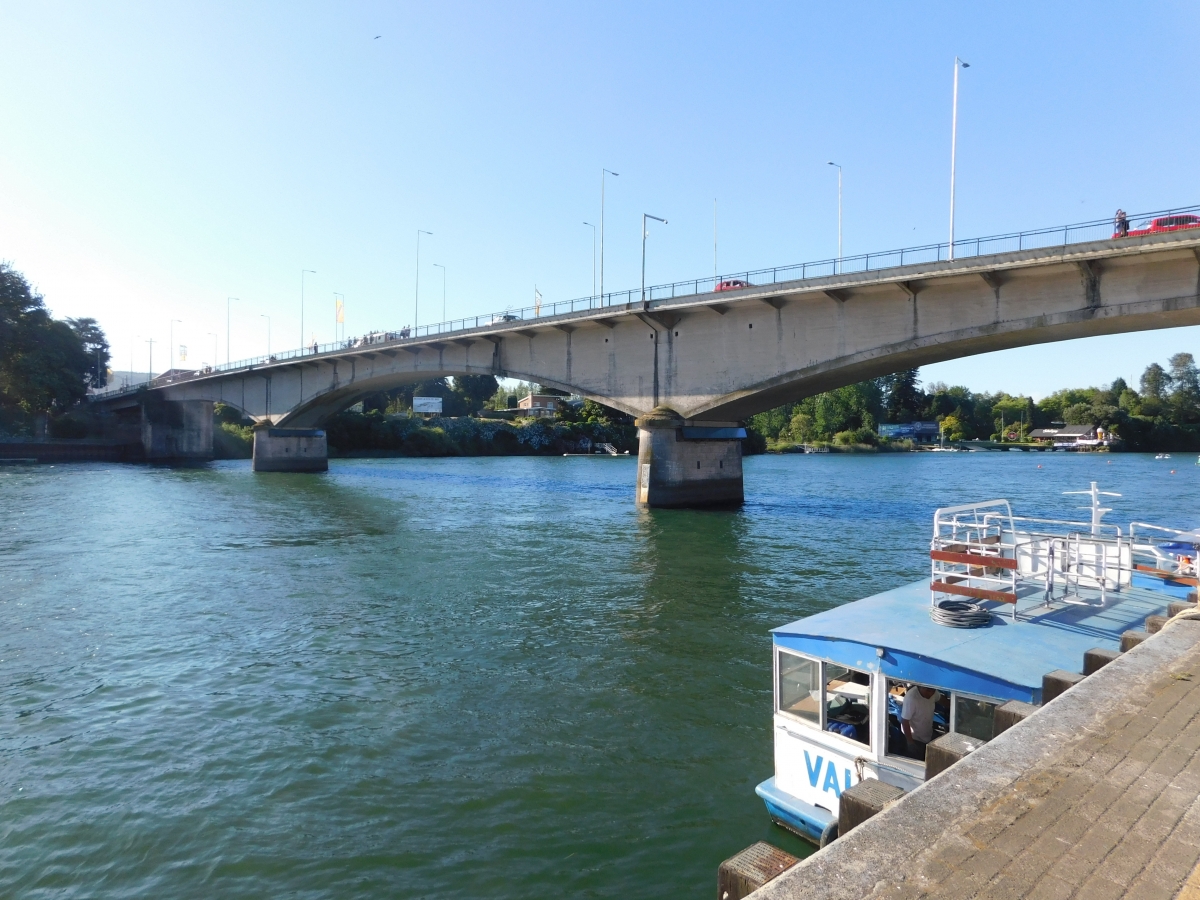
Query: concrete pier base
pixel 1057 682
pixel 865 799
pixel 290 450
pixel 177 430
pixel 682 464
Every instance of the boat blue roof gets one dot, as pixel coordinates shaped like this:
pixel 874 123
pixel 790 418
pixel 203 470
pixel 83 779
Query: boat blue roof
pixel 1005 660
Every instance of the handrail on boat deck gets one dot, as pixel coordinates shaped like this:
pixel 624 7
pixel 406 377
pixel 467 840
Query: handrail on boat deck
pixel 978 551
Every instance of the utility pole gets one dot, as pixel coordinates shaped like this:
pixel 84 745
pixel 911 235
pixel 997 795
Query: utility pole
pixel 443 268
pixel 593 227
pixel 417 292
pixel 228 300
pixel 646 216
pixel 171 338
pixel 714 238
pixel 150 373
pixel 953 145
pixel 839 258
pixel 303 272
pixel 602 174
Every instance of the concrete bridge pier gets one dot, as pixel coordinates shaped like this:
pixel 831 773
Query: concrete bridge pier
pixel 688 465
pixel 177 429
pixel 290 450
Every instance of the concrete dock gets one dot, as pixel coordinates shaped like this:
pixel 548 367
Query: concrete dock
pixel 1094 796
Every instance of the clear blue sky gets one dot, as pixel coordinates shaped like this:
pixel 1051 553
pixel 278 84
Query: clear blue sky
pixel 159 157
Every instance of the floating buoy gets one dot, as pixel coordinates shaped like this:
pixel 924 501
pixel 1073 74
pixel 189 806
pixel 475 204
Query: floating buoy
pixel 1172 471
pixel 1039 466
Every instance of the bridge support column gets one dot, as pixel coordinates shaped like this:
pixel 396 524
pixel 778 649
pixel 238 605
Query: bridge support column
pixel 290 450
pixel 177 430
pixel 682 465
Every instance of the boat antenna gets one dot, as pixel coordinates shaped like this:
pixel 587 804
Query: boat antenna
pixel 1098 511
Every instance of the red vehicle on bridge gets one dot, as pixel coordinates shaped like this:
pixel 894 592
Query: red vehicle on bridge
pixel 732 284
pixel 1162 224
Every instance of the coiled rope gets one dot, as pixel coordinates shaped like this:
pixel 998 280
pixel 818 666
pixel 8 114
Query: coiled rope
pixel 960 614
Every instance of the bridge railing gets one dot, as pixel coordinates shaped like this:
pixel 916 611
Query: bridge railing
pixel 1040 238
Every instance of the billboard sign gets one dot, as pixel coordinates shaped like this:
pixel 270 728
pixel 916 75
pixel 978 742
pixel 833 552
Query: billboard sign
pixel 427 405
pixel 909 430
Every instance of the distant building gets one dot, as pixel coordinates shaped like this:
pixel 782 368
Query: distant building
pixel 543 405
pixel 1061 433
pixel 917 432
pixel 1071 436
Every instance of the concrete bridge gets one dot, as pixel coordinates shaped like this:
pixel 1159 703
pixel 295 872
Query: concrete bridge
pixel 692 368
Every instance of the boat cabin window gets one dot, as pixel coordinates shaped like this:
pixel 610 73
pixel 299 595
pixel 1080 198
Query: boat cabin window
pixel 800 687
pixel 929 718
pixel 974 718
pixel 826 695
pixel 847 703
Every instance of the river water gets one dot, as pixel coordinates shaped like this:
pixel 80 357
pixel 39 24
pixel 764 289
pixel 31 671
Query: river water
pixel 435 678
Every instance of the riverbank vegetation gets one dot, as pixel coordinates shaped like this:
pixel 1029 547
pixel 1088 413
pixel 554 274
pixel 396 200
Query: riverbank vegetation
pixel 1161 414
pixel 377 432
pixel 46 364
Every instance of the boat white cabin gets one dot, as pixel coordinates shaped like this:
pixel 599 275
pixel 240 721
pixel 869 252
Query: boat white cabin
pixel 1044 591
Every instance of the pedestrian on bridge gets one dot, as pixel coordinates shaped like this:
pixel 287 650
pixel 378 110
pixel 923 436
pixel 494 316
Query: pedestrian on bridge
pixel 1121 223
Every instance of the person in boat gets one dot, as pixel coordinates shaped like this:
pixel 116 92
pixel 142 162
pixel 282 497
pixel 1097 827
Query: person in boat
pixel 916 719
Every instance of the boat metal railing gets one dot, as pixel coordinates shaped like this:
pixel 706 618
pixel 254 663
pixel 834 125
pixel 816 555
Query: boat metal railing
pixel 969 556
pixel 1154 555
pixel 1077 554
pixel 1036 239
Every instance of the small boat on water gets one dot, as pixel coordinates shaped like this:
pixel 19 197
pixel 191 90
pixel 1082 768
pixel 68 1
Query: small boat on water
pixel 1163 456
pixel 1010 598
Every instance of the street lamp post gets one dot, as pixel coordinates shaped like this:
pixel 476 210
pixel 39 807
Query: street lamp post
pixel 227 302
pixel 602 174
pixel 593 227
pixel 839 168
pixel 958 63
pixel 714 238
pixel 303 272
pixel 150 371
pixel 646 216
pixel 268 318
pixel 171 338
pixel 417 292
pixel 443 268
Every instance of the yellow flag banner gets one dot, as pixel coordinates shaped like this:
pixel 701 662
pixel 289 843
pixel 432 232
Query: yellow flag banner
pixel 341 311
pixel 183 352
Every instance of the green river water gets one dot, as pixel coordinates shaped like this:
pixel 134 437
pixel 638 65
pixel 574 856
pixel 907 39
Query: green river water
pixel 435 678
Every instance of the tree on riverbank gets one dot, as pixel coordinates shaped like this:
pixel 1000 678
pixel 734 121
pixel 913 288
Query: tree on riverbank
pixel 46 364
pixel 1163 415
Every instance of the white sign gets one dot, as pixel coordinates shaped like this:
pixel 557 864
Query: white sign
pixel 427 404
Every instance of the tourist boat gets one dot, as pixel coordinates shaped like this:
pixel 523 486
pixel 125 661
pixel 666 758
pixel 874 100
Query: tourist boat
pixel 1042 592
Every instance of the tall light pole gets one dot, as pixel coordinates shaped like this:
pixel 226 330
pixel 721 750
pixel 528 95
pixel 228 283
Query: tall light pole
pixel 603 172
pixel 213 335
pixel 303 272
pixel 714 238
pixel 839 168
pixel 171 338
pixel 443 268
pixel 958 63
pixel 646 216
pixel 593 227
pixel 150 373
pixel 228 300
pixel 268 318
pixel 339 314
pixel 417 292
